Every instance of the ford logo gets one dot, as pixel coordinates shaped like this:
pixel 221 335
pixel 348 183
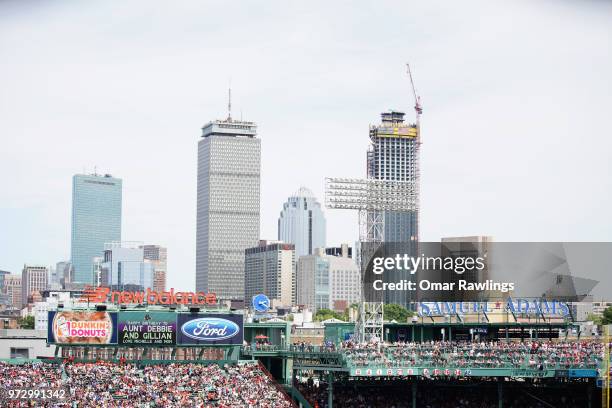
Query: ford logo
pixel 210 329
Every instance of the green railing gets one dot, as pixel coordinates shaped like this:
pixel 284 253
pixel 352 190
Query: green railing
pixel 58 360
pixel 446 363
pixel 291 348
pixel 21 360
pixel 298 397
pixel 427 356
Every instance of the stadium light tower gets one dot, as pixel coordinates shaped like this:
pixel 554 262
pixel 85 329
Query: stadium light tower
pixel 371 198
pixel 379 193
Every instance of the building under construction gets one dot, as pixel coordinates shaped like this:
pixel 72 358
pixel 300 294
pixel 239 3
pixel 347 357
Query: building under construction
pixel 393 156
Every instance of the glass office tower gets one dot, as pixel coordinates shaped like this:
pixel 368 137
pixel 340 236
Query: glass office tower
pixel 124 267
pixel 96 219
pixel 302 223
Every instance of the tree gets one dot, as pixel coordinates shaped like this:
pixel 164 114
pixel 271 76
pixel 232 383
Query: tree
pixel 592 317
pixel 396 312
pixel 27 322
pixel 607 316
pixel 324 314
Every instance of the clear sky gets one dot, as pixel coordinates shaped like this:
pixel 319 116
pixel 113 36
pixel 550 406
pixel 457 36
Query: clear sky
pixel 517 100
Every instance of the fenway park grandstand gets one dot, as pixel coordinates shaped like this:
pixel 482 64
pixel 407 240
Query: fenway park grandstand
pixel 158 356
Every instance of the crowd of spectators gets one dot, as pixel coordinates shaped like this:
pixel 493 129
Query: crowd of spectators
pixel 464 354
pixel 32 375
pixel 327 347
pixel 106 384
pixel 434 395
pixel 110 384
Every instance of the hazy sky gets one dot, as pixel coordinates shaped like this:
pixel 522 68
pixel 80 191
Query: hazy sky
pixel 517 103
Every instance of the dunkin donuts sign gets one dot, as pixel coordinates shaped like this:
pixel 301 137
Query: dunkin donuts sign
pixel 82 327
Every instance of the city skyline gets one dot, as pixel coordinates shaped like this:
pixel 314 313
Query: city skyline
pixel 313 97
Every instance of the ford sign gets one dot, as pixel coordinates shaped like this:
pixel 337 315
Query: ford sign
pixel 210 329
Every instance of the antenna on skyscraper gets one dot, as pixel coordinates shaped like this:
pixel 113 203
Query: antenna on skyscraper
pixel 229 101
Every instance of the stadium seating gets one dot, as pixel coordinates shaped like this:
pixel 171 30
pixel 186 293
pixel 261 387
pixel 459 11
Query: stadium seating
pixel 532 354
pixel 104 384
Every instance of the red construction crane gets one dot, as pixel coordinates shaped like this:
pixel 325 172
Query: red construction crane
pixel 417 99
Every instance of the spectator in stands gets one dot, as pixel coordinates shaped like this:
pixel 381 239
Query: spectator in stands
pixel 105 384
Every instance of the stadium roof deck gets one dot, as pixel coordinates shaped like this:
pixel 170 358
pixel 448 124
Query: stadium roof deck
pixel 540 323
pixel 560 324
pixel 110 307
pixel 259 325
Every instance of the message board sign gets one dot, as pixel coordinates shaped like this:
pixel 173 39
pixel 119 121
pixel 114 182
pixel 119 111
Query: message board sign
pixel 146 328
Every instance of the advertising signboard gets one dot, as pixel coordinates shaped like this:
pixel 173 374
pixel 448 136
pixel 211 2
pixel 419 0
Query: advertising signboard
pixel 210 329
pixel 146 328
pixel 583 373
pixel 449 372
pixel 82 327
pixel 103 294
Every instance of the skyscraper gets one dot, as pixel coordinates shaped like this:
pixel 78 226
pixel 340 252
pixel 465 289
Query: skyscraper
pixel 302 223
pixel 393 155
pixel 157 256
pixel 229 157
pixel 64 272
pixel 56 277
pixel 33 279
pixel 327 281
pixel 4 299
pixel 269 269
pixel 96 219
pixel 12 285
pixel 468 247
pixel 124 267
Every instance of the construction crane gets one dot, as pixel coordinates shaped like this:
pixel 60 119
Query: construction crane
pixel 417 99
